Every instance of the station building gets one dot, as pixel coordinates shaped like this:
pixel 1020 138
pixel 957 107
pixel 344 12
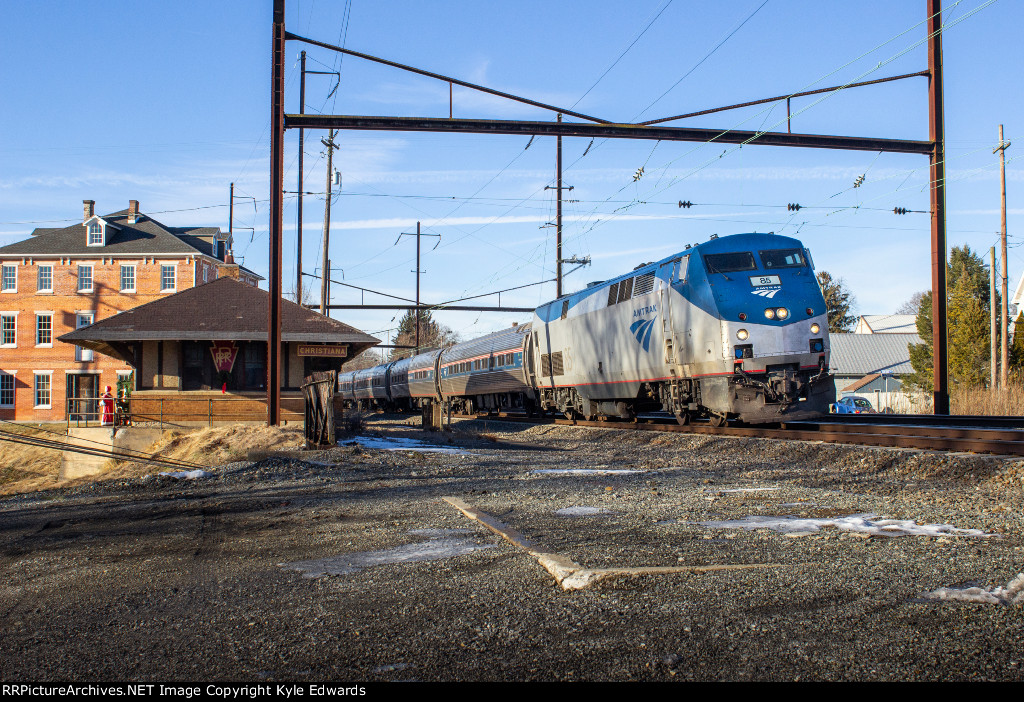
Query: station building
pixel 201 354
pixel 65 278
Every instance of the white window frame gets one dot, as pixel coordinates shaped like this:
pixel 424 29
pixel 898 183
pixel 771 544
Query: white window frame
pixel 36 375
pixel 14 384
pixel 134 270
pixel 94 228
pixel 124 374
pixel 173 268
pixel 82 267
pixel 39 316
pixel 14 344
pixel 6 285
pixel 39 277
pixel 84 355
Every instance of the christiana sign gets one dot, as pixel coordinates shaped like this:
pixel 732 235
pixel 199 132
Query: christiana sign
pixel 324 351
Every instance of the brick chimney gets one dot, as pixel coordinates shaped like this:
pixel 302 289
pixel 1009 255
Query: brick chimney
pixel 88 209
pixel 228 269
pixel 133 211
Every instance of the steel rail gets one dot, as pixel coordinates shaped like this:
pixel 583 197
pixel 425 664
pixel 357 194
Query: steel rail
pixel 935 438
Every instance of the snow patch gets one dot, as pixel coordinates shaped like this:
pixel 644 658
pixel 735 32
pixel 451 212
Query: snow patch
pixel 188 474
pixel 1012 593
pixel 441 544
pixel 401 444
pixel 870 524
pixel 580 511
pixel 585 471
pixel 757 489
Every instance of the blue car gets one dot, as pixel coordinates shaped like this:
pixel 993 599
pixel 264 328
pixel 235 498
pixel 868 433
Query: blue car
pixel 853 404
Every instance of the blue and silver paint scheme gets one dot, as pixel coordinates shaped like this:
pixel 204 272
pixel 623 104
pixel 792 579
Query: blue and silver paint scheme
pixel 667 333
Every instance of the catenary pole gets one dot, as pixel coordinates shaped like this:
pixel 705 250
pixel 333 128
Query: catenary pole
pixel 276 216
pixel 298 226
pixel 936 132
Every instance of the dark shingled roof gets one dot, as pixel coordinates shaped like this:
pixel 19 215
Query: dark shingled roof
pixel 224 309
pixel 147 237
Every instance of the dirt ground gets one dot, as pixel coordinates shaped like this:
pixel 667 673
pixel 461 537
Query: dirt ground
pixel 846 563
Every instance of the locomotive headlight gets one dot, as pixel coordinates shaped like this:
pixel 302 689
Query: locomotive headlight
pixel 815 328
pixel 782 313
pixel 769 313
pixel 742 334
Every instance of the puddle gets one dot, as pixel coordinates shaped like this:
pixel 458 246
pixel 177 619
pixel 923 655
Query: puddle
pixel 581 511
pixel 400 444
pixel 1012 593
pixel 870 524
pixel 585 471
pixel 187 474
pixel 440 544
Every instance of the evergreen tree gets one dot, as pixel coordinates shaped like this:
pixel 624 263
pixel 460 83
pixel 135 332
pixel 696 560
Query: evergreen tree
pixel 967 324
pixel 838 301
pixel 1017 348
pixel 432 334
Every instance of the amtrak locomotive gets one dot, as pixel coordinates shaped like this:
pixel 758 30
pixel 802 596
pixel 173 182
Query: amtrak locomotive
pixel 735 327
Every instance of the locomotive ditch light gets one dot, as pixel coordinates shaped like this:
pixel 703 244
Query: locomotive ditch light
pixel 782 313
pixel 742 334
pixel 769 313
pixel 815 328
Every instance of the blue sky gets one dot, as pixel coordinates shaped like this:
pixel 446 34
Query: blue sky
pixel 168 103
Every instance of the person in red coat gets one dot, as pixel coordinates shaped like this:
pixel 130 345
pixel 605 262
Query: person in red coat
pixel 107 408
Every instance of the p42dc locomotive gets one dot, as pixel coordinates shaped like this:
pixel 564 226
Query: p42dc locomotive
pixel 735 327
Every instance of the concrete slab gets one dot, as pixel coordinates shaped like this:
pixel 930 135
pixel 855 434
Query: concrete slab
pixel 77 465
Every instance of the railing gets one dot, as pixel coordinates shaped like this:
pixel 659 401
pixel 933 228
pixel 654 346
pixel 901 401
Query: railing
pixel 206 410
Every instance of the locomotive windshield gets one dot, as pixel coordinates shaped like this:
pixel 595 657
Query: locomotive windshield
pixel 783 258
pixel 729 262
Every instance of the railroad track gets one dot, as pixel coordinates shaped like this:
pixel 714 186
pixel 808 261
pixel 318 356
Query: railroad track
pixel 970 434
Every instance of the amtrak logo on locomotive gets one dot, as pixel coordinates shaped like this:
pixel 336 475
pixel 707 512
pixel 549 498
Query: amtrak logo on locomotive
pixel 642 329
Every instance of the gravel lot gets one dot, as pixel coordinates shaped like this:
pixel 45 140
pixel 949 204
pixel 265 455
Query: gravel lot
pixel 213 579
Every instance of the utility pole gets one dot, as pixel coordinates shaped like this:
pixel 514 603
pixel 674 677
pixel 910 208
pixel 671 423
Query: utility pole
pixel 419 234
pixel 1004 323
pixel 993 378
pixel 302 139
pixel 325 281
pixel 231 214
pixel 558 214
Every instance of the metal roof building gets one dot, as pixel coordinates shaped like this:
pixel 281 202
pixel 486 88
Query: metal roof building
pixel 857 355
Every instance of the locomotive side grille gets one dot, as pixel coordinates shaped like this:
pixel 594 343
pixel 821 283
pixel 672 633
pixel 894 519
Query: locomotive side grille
pixel 613 294
pixel 625 289
pixel 644 284
pixel 551 364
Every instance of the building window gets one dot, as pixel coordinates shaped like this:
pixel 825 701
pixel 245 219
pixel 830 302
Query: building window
pixel 168 278
pixel 44 329
pixel 95 234
pixel 83 320
pixel 42 390
pixel 8 330
pixel 85 278
pixel 9 279
pixel 44 281
pixel 6 389
pixel 127 278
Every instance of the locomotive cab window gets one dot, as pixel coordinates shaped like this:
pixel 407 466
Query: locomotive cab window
pixel 783 258
pixel 729 262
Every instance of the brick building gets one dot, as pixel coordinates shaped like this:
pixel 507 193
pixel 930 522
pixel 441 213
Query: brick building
pixel 62 279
